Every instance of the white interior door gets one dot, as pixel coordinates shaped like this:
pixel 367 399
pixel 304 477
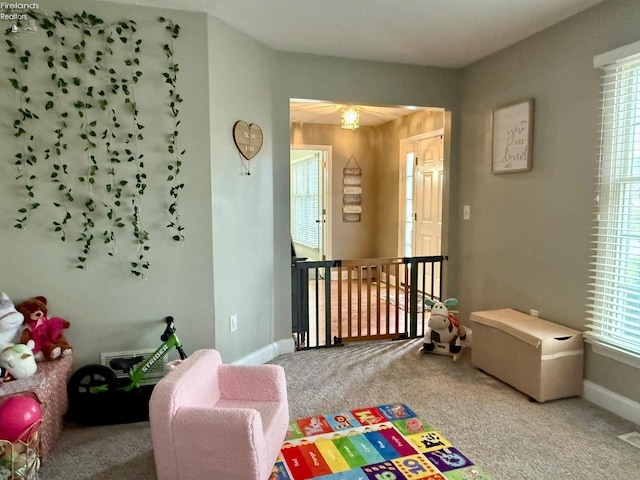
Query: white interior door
pixel 428 183
pixel 422 181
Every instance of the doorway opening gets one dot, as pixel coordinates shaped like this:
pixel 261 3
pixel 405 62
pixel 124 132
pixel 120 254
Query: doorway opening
pixel 380 268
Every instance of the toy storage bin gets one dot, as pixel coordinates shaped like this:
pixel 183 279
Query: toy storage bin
pixel 49 387
pixel 541 359
pixel 20 460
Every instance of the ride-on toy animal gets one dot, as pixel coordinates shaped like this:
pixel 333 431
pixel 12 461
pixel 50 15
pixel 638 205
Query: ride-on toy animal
pixel 444 334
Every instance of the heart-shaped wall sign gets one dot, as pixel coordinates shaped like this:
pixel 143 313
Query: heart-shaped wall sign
pixel 248 138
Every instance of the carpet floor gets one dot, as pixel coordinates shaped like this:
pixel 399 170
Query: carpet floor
pixel 495 425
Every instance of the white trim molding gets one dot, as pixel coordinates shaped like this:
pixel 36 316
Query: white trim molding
pixel 613 353
pixel 621 406
pixel 613 56
pixel 268 352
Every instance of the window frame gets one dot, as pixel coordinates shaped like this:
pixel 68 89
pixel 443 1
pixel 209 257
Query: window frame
pixel 302 194
pixel 615 186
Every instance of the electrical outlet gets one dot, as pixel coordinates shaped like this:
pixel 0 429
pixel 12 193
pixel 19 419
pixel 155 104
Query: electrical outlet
pixel 233 323
pixel 534 313
pixel 466 212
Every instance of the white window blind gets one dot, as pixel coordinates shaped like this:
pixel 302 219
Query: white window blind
pixel 305 182
pixel 614 301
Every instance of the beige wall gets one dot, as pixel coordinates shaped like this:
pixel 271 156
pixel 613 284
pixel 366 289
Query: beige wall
pixel 527 244
pixel 242 205
pixel 339 80
pixel 226 264
pixel 109 309
pixel 236 255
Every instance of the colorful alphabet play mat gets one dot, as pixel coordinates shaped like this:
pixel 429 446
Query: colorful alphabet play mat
pixel 386 442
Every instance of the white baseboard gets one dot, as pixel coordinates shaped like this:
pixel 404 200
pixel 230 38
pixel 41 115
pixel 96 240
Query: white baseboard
pixel 269 352
pixel 467 341
pixel 621 406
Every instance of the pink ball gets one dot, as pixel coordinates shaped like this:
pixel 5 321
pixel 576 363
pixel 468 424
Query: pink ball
pixel 19 417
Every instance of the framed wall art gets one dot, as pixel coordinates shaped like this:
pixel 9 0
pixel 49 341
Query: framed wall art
pixel 512 137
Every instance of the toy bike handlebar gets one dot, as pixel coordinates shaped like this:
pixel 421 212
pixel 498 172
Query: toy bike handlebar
pixel 169 330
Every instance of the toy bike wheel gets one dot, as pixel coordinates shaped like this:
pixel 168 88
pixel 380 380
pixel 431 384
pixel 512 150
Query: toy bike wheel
pixel 91 379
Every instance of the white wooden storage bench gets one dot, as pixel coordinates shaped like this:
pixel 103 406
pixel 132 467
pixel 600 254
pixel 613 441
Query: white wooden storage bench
pixel 542 359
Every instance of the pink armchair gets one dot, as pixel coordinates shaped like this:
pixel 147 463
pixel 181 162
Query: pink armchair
pixel 216 421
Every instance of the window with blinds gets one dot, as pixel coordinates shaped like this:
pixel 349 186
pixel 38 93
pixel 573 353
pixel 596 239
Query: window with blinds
pixel 305 199
pixel 614 301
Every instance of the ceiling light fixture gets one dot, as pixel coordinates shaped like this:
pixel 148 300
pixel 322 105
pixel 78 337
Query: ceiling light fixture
pixel 350 118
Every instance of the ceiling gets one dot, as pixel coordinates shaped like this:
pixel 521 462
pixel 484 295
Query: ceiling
pixel 307 111
pixel 443 33
pixel 440 33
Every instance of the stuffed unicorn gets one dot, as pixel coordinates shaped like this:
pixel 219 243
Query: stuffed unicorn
pixel 10 322
pixel 444 334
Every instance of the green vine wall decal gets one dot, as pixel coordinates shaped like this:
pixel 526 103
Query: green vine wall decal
pixel 86 129
pixel 26 158
pixel 171 79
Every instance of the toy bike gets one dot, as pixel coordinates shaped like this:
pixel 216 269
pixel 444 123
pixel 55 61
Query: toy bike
pixel 98 397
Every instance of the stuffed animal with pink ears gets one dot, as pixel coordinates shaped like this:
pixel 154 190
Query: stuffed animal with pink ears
pixel 444 334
